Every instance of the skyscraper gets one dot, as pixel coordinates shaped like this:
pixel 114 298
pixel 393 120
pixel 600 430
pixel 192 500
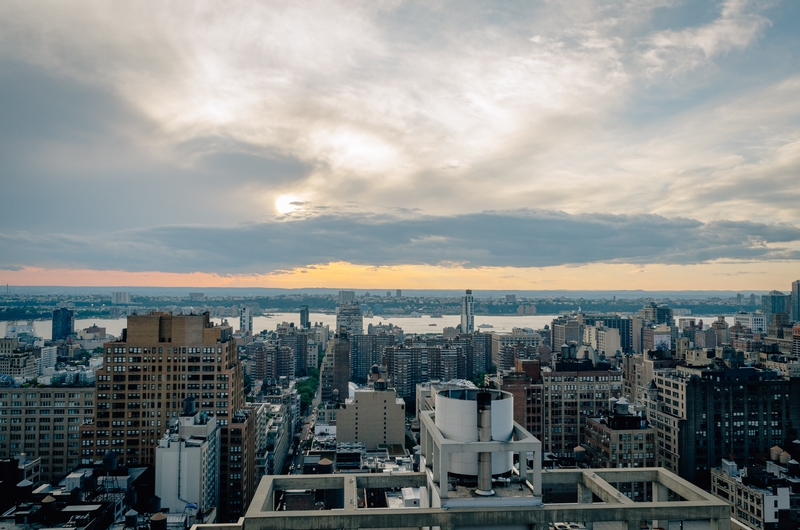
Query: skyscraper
pixel 246 320
pixel 335 374
pixel 305 323
pixel 348 316
pixel 795 312
pixel 63 323
pixel 120 297
pixel 763 408
pixel 347 297
pixel 774 302
pixel 467 313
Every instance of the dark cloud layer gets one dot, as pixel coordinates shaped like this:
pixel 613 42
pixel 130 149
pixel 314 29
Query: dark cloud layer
pixel 527 238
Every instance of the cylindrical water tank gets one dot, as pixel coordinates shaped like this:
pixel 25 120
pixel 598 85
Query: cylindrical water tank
pixel 457 419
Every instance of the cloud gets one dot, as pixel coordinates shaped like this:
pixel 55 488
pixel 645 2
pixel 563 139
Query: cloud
pixel 525 238
pixel 134 134
pixel 670 51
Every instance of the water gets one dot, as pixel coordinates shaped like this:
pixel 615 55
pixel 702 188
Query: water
pixel 424 324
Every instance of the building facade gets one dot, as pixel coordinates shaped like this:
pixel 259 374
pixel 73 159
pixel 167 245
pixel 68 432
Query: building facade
pixel 348 317
pixel 467 312
pixel 335 374
pixel 63 323
pixel 774 302
pixel 160 360
pixel 373 417
pixel 621 439
pixel 44 422
pixel 187 463
pixel 704 414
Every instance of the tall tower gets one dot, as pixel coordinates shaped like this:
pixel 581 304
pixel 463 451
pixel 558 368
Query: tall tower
pixel 467 313
pixel 63 323
pixel 348 316
pixel 246 320
pixel 795 316
pixel 774 302
pixel 305 323
pixel 336 369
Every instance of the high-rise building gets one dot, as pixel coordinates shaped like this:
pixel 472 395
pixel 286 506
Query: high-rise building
pixel 755 322
pixel 407 367
pixel 335 374
pixel 298 342
pixel 365 351
pixel 246 320
pixel 653 313
pixel 621 438
pixel 757 502
pixel 237 469
pixel 187 462
pixel 399 293
pixel 347 297
pixel 624 324
pixel 63 323
pixel 44 423
pixel 305 323
pixel 795 312
pixel 120 297
pixel 703 414
pixel 467 312
pixel 563 331
pixel 48 359
pixel 348 317
pixel 774 302
pixel 160 360
pixel 271 360
pixel 373 417
pixel 19 364
pixel 556 411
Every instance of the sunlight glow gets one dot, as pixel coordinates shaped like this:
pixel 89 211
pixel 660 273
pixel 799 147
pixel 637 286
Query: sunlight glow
pixel 284 204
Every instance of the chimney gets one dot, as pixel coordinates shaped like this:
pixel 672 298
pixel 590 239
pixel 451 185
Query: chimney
pixel 484 435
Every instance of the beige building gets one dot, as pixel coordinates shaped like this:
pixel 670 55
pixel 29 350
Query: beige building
pixel 754 506
pixel 602 339
pixel 621 439
pixel 19 364
pixel 44 423
pixel 8 345
pixel 159 361
pixel 373 417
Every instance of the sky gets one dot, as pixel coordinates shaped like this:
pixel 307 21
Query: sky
pixel 642 144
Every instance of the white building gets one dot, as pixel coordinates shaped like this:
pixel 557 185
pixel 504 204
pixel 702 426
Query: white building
pixel 187 463
pixel 755 322
pixel 120 297
pixel 347 297
pixel 246 320
pixel 602 339
pixel 48 360
pixel 751 505
pixel 348 316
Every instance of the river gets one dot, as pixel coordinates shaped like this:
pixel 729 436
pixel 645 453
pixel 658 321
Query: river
pixel 424 324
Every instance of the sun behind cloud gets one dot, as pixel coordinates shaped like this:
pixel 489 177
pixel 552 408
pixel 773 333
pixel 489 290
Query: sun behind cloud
pixel 286 203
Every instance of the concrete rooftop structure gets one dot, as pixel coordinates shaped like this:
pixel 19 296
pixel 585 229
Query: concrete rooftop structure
pixel 468 479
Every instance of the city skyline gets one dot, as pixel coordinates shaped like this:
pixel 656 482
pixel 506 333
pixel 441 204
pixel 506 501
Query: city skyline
pixel 626 145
